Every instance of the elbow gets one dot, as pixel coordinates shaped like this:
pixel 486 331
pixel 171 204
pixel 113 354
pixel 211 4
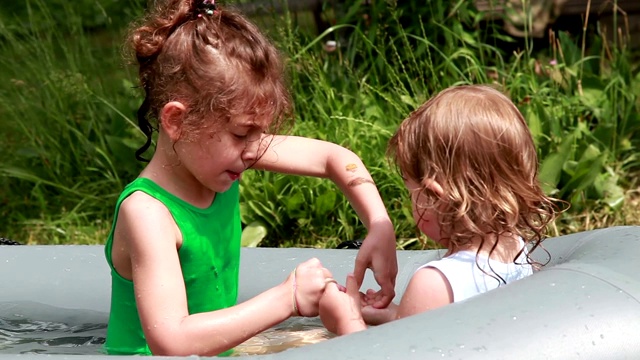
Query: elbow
pixel 167 348
pixel 181 345
pixel 170 344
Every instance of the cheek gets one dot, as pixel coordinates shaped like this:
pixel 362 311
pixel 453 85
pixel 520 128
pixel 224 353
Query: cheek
pixel 427 222
pixel 422 219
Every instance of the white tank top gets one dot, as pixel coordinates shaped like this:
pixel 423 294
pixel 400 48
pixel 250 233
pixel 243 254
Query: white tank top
pixel 467 280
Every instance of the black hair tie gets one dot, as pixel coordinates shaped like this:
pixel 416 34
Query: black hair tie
pixel 207 7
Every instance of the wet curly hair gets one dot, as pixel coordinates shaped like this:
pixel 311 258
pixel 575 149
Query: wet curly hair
pixel 217 63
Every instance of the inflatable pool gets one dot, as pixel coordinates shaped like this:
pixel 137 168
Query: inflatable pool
pixel 584 304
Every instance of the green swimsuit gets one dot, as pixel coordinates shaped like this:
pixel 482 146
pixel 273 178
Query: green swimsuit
pixel 209 257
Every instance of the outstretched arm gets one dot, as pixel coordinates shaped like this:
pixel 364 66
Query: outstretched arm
pixel 309 157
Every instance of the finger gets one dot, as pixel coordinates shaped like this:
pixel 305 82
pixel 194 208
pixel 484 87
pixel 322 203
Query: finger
pixel 359 270
pixel 329 281
pixel 314 262
pixel 383 299
pixel 371 292
pixel 363 300
pixel 352 288
pixel 326 273
pixel 386 279
pixel 371 297
pixel 331 288
pixel 387 288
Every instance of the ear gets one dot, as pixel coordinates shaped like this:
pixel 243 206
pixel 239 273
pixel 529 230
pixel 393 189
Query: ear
pixel 171 118
pixel 433 186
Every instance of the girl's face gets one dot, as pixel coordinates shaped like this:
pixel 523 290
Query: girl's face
pixel 425 218
pixel 218 159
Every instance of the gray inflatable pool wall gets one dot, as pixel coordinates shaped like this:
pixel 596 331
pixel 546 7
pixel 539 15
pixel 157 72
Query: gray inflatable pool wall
pixel 584 304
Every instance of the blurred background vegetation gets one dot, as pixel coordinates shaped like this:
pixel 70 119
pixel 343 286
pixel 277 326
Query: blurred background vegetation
pixel 68 99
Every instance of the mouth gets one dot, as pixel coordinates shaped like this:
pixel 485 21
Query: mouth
pixel 234 175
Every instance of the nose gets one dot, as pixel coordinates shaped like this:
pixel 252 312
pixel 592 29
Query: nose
pixel 250 152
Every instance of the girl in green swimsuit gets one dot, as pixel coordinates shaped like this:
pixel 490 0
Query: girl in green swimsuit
pixel 214 91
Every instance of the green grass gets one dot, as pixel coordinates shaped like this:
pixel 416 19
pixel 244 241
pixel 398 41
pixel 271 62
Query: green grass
pixel 67 105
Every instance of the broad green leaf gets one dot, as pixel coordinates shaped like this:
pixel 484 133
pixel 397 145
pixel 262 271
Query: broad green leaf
pixel 550 171
pixel 325 203
pixel 609 191
pixel 294 203
pixel 253 234
pixel 586 173
pixel 533 120
pixel 553 164
pixel 592 92
pixel 269 215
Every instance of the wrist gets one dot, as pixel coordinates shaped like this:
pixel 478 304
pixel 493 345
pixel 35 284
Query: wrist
pixel 295 308
pixel 290 294
pixel 279 300
pixel 381 224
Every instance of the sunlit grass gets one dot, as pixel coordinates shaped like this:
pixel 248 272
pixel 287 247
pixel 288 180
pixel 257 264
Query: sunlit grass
pixel 67 105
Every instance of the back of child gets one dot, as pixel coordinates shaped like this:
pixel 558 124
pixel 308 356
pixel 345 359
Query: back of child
pixel 469 162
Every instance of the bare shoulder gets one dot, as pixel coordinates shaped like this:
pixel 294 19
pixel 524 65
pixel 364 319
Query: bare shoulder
pixel 141 204
pixel 142 216
pixel 143 222
pixel 428 289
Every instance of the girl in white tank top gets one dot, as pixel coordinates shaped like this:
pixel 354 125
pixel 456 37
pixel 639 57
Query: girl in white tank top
pixel 469 162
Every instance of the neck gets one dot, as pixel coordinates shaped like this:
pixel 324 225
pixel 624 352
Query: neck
pixel 507 247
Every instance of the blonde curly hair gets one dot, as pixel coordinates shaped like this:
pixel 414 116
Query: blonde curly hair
pixel 475 143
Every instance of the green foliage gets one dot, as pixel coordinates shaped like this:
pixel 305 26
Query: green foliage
pixel 90 14
pixel 67 110
pixel 70 149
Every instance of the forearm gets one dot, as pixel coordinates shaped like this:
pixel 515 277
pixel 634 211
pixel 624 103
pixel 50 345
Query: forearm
pixel 310 157
pixel 214 332
pixel 350 174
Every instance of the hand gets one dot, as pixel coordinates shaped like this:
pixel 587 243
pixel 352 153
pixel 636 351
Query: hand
pixel 378 253
pixel 340 311
pixel 373 316
pixel 308 282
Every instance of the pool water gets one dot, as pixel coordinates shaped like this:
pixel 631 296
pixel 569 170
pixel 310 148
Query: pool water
pixel 32 328
pixel 292 333
pixel 23 336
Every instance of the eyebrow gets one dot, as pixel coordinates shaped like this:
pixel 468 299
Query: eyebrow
pixel 244 124
pixel 250 125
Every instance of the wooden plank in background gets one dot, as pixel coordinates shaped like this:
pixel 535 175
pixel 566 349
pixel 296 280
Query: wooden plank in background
pixel 572 7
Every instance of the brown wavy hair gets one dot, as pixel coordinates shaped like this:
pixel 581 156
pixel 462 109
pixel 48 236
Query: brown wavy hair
pixel 475 143
pixel 219 65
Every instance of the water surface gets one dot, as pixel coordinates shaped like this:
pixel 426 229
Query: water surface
pixel 34 328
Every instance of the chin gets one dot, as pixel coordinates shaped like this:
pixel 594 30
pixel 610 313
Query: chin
pixel 220 188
